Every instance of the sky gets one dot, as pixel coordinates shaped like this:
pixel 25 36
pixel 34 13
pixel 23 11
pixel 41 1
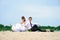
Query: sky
pixel 43 12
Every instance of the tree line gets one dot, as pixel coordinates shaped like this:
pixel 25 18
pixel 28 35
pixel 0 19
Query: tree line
pixel 5 28
pixel 52 28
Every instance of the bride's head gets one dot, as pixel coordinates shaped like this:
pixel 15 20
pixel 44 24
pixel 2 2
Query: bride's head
pixel 23 19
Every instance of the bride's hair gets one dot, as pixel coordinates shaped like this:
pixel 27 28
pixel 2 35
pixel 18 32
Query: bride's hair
pixel 23 18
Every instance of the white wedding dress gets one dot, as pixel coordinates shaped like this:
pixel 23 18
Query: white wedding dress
pixel 19 28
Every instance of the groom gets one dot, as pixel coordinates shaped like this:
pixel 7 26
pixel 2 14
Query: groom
pixel 31 26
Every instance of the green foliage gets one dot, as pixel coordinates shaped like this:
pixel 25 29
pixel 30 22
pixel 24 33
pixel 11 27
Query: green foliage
pixel 8 28
pixel 57 28
pixel 52 28
pixel 1 27
pixel 5 28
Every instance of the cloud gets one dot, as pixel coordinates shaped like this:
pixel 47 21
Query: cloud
pixel 37 11
pixel 42 12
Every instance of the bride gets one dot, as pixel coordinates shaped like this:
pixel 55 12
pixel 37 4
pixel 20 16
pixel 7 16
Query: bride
pixel 20 27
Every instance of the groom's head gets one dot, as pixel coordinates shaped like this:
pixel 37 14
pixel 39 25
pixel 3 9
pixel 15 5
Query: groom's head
pixel 30 19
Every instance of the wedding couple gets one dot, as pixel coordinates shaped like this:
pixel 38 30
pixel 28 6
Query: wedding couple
pixel 25 26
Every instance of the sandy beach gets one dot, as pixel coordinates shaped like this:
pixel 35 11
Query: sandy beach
pixel 29 35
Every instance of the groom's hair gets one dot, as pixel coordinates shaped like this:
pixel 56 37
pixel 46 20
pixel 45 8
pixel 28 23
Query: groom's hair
pixel 30 17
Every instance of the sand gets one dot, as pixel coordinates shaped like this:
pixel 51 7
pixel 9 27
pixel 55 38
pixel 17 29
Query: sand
pixel 29 35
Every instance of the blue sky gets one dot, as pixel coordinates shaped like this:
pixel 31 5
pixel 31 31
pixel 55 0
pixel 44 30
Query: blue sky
pixel 44 12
